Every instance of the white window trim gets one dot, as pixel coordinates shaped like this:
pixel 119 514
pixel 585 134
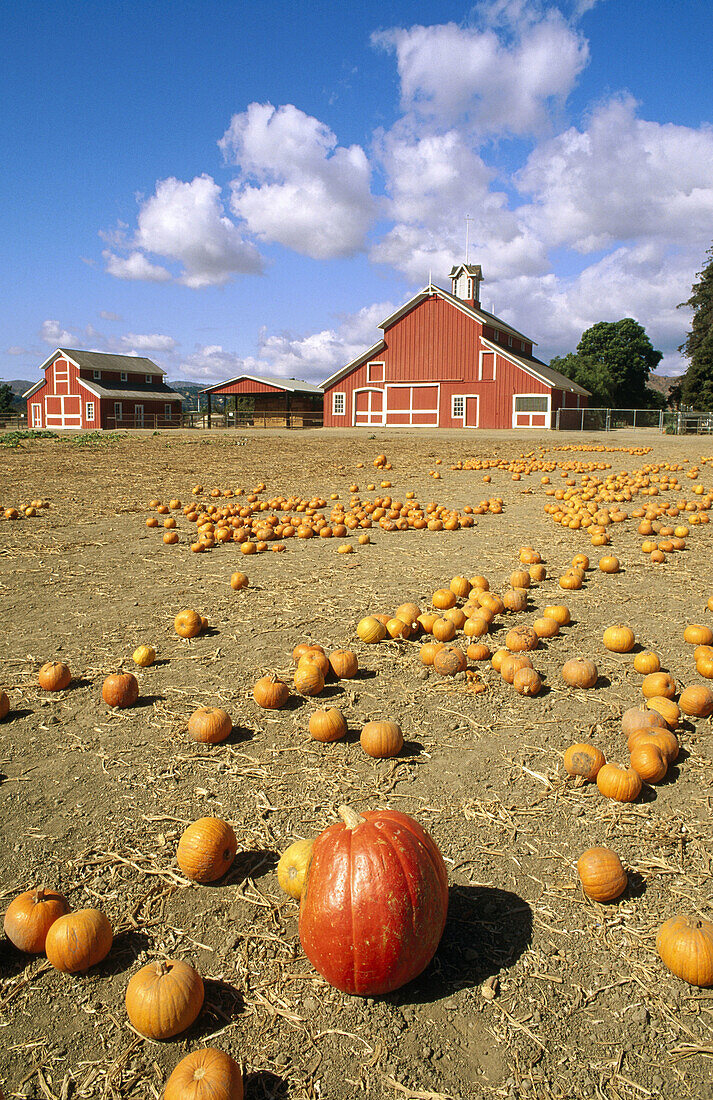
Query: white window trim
pixel 118 411
pixel 168 411
pixel 89 410
pixel 36 415
pixel 480 365
pixel 376 363
pixel 457 397
pixel 509 341
pixel 96 375
pixel 466 398
pixel 123 376
pixel 540 412
pixel 339 397
pixel 423 412
pixel 149 379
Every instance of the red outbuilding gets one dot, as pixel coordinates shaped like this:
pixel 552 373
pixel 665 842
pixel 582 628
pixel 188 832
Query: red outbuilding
pixel 91 389
pixel 444 362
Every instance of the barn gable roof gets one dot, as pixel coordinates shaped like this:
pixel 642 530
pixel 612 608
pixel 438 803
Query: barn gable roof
pixel 291 385
pixel 540 370
pixel 102 360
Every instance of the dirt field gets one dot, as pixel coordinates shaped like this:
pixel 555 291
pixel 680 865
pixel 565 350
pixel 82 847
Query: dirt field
pixel 535 991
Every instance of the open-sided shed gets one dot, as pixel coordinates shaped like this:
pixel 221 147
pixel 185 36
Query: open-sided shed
pixel 267 402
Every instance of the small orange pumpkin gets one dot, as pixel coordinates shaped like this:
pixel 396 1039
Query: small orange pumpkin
pixel 344 664
pixel 649 761
pixel 580 672
pixel 270 692
pixel 619 638
pixel 450 660
pixel 658 683
pixel 584 759
pixel 601 873
pixel 382 739
pixel 685 946
pixel 30 916
pixel 327 725
pixel 205 1074
pixel 164 998
pixel 210 725
pixel 521 639
pixel 206 849
pixel 54 676
pixel 78 940
pixel 696 701
pixel 647 662
pixel 188 623
pixel 527 682
pixel 121 690
pixel 619 784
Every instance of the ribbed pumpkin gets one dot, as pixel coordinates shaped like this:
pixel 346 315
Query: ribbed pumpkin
pixel 559 612
pixel 620 784
pixel 144 656
pixel 450 660
pixel 382 739
pixel 206 1074
pixel 521 639
pixel 619 638
pixel 54 676
pixel 78 940
pixel 344 664
pixel 696 701
pixel 512 663
pixel 210 725
pixel 647 662
pixel 121 690
pixel 29 917
pixel 164 998
pixel 206 849
pixel 327 725
pixel 293 866
pixel 370 630
pixel 658 683
pixel 374 906
pixel 580 672
pixel 308 678
pixel 666 709
pixel 527 682
pixel 188 623
pixel 602 876
pixel 634 719
pixel 649 761
pixel 685 946
pixel 270 692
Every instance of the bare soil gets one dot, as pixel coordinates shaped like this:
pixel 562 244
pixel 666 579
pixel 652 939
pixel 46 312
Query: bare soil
pixel 535 991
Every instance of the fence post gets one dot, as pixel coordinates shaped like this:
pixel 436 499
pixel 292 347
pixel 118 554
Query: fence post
pixel 661 420
pixel 607 422
pixel 634 424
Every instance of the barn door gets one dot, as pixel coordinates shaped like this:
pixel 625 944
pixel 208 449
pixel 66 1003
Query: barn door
pixel 368 407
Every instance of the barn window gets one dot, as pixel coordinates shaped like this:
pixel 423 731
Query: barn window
pixel 96 374
pixel 117 411
pixel 149 378
pixel 457 406
pixel 124 376
pixel 375 372
pixel 522 345
pixel 509 341
pixel 168 411
pixel 531 403
pixel 339 404
pixel 496 334
pixel 89 410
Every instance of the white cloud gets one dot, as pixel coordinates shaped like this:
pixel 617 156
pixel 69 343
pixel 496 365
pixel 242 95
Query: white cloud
pixel 297 187
pixel 53 333
pixel 147 342
pixel 311 358
pixel 501 77
pixel 134 266
pixel 621 178
pixel 107 315
pixel 16 350
pixel 186 222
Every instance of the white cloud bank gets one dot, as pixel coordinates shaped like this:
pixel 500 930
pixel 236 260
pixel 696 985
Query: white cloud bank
pixel 627 201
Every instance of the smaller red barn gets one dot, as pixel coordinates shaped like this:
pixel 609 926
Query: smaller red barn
pixel 444 362
pixel 93 389
pixel 269 402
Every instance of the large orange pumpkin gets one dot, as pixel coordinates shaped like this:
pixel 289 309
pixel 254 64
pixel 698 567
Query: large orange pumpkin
pixel 374 905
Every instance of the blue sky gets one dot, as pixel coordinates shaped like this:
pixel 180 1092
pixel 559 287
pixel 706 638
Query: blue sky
pixel 228 187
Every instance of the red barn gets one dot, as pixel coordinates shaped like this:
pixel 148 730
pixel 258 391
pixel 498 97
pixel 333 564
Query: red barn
pixel 444 362
pixel 90 389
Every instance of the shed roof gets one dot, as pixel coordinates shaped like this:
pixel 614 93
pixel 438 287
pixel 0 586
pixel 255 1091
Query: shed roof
pixel 549 376
pixel 120 390
pixel 290 385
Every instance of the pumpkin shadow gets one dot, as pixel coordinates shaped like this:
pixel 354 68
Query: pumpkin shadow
pixel 248 865
pixel 125 950
pixel 238 735
pixel 17 712
pixel 603 682
pixel 487 929
pixel 410 748
pixel 636 886
pixel 78 682
pixel 13 961
pixel 263 1085
pixel 223 1003
pixel 145 701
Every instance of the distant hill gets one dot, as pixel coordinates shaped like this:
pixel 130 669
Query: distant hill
pixel 189 392
pixel 662 382
pixel 18 387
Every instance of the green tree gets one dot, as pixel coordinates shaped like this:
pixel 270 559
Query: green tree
pixel 629 357
pixel 6 397
pixel 697 382
pixel 587 372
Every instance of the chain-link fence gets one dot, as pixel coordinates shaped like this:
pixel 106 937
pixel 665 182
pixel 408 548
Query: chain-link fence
pixel 605 420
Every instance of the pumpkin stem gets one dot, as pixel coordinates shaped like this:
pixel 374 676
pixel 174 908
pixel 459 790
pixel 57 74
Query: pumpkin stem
pixel 162 968
pixel 39 895
pixel 350 817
